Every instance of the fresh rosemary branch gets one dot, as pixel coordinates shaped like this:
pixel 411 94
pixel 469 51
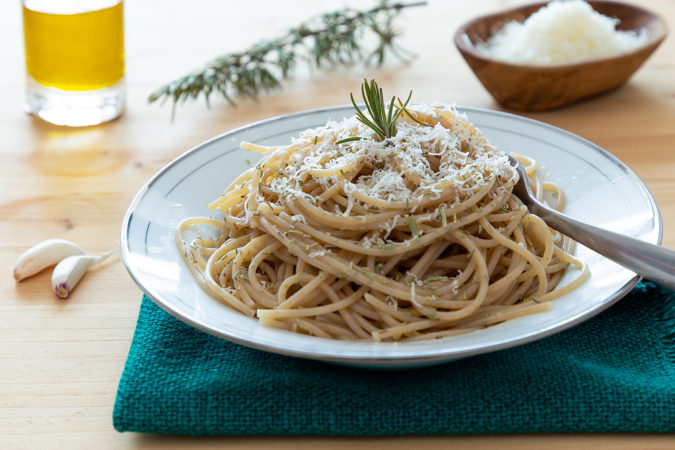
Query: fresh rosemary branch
pixel 382 120
pixel 332 38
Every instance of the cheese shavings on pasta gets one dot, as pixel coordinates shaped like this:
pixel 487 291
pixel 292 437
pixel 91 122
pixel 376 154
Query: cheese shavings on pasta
pixel 417 162
pixel 344 235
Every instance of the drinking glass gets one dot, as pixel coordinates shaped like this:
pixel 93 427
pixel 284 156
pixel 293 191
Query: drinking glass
pixel 74 60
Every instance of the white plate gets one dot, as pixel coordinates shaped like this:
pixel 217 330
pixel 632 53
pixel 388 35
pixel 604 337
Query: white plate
pixel 599 188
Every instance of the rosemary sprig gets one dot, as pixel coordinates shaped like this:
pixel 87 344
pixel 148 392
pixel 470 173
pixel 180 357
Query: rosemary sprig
pixel 332 38
pixel 382 119
pixel 349 139
pixel 413 228
pixel 407 113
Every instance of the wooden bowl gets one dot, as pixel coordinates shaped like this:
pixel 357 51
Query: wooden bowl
pixel 536 88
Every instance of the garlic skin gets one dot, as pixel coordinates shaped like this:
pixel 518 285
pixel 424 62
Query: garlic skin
pixel 70 271
pixel 43 255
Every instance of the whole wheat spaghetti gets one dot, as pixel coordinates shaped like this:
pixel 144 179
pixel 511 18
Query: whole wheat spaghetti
pixel 345 235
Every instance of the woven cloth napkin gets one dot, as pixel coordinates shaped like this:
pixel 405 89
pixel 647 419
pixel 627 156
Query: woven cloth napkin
pixel 615 372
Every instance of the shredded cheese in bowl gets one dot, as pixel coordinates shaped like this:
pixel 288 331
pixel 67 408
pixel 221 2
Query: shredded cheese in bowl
pixel 562 32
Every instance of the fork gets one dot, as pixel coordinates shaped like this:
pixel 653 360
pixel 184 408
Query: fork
pixel 650 261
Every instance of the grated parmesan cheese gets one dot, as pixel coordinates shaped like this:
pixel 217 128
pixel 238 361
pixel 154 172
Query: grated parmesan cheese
pixel 559 33
pixel 396 169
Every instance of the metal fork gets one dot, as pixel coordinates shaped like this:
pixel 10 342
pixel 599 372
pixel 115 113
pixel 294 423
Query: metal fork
pixel 651 261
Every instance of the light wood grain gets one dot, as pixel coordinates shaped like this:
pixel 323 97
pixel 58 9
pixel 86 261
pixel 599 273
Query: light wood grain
pixel 60 361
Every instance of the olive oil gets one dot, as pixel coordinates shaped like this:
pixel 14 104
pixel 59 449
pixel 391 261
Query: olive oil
pixel 75 52
pixel 74 60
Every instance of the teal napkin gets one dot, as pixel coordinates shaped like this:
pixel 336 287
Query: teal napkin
pixel 615 372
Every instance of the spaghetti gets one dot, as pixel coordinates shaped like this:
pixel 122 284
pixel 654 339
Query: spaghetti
pixel 345 235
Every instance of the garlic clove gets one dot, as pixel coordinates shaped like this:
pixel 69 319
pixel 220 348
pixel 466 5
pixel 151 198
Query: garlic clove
pixel 43 255
pixel 70 271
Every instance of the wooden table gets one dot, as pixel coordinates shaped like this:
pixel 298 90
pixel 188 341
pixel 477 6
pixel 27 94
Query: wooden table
pixel 60 361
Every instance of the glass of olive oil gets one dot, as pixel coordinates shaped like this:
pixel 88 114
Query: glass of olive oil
pixel 74 60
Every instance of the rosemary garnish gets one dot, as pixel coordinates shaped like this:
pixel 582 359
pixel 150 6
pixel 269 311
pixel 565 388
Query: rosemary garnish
pixel 413 118
pixel 331 38
pixel 382 119
pixel 413 228
pixel 436 278
pixel 349 139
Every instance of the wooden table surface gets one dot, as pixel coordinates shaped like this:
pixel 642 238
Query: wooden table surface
pixel 60 361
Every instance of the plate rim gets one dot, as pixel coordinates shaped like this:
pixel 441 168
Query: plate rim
pixel 438 355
